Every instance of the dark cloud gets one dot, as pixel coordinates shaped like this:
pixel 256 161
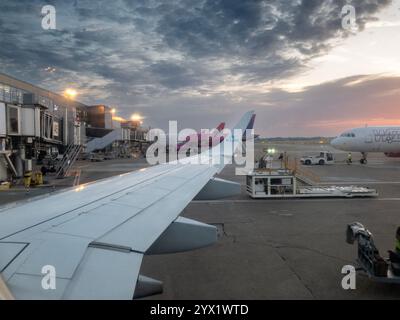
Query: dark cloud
pixel 164 55
pixel 257 28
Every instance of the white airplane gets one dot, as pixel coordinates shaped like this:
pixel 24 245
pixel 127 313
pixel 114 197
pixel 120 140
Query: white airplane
pixel 89 242
pixel 370 139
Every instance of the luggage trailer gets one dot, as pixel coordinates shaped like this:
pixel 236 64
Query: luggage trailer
pixel 369 261
pixel 282 183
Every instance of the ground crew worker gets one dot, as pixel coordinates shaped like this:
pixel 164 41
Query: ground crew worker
pixel 27 180
pixel 262 164
pixel 349 158
pixel 268 161
pixel 394 256
pixel 281 158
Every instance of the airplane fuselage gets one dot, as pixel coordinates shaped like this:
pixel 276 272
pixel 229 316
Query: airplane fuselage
pixel 370 139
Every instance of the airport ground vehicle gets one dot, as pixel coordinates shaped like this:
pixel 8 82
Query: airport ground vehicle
pixel 369 259
pixel 282 183
pixel 323 158
pixel 96 157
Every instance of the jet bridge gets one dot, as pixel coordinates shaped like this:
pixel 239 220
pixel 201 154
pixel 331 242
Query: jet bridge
pixel 284 184
pixel 101 143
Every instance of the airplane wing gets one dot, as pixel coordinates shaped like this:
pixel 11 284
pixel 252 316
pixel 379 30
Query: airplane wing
pixel 89 242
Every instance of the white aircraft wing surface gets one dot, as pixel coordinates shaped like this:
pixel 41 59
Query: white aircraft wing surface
pixel 89 242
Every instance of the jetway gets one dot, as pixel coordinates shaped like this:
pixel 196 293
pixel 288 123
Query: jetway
pixel 127 138
pixel 103 142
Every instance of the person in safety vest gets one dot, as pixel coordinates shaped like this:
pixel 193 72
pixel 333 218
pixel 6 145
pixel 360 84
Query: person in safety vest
pixel 349 158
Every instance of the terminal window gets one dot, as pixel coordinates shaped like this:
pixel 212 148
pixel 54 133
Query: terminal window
pixel 13 123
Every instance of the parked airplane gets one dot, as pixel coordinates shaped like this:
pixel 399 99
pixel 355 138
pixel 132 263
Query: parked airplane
pixel 213 138
pixel 210 139
pixel 89 242
pixel 370 139
pixel 250 127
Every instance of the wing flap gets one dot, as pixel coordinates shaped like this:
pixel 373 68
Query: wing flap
pixel 8 252
pixel 105 274
pixel 52 251
pixel 29 287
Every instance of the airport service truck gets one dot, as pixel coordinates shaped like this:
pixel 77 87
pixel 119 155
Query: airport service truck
pixel 323 158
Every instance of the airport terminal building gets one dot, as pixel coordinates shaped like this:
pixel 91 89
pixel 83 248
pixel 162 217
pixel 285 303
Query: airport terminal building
pixel 32 111
pixel 37 124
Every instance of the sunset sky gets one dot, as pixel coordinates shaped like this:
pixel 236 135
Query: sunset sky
pixel 206 61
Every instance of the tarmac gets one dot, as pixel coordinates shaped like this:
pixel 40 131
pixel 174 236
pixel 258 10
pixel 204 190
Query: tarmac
pixel 274 249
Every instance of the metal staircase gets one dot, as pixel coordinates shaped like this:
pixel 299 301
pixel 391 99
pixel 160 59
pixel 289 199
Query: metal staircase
pixel 6 157
pixel 68 160
pixel 101 143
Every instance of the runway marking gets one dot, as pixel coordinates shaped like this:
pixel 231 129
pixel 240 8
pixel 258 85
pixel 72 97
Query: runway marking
pixel 334 182
pixel 255 201
pixel 294 200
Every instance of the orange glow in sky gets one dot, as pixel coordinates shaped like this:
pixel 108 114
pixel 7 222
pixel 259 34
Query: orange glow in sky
pixel 136 117
pixel 119 119
pixel 354 123
pixel 70 93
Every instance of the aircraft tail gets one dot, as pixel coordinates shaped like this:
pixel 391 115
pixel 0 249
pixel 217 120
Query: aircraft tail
pixel 251 123
pixel 217 134
pixel 250 126
pixel 221 126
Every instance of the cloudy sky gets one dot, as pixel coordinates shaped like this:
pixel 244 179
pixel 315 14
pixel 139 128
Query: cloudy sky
pixel 205 61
